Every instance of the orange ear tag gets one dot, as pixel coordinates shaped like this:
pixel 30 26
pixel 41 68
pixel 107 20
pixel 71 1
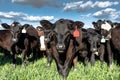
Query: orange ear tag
pixel 76 32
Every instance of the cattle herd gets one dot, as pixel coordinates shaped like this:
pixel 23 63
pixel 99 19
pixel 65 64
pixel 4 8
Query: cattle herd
pixel 65 41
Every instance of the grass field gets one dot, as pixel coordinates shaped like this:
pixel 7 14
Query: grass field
pixel 39 71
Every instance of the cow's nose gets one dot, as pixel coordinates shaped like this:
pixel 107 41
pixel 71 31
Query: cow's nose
pixel 93 49
pixel 60 46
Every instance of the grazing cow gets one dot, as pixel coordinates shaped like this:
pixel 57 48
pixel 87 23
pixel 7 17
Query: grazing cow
pixel 61 42
pixel 103 28
pixel 26 40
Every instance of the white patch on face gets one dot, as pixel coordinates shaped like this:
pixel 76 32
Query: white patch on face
pixel 103 40
pixel 23 30
pixel 106 26
pixel 96 53
pixel 42 42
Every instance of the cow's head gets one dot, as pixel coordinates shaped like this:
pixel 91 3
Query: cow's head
pixel 93 40
pixel 48 30
pixel 103 27
pixel 40 31
pixel 14 28
pixel 62 30
pixel 58 32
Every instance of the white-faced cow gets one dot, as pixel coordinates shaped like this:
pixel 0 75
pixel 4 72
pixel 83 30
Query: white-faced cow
pixel 104 29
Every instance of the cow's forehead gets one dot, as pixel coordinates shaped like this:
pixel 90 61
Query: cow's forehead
pixel 15 24
pixel 106 26
pixel 61 27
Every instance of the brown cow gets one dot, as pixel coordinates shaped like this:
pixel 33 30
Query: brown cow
pixel 26 40
pixel 115 31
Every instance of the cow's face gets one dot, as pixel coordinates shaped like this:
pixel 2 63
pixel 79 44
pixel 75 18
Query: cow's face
pixel 103 27
pixel 61 28
pixel 94 41
pixel 60 31
pixel 14 28
pixel 48 30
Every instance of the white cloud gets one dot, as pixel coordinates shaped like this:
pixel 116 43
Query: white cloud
pixel 37 18
pixel 88 15
pixel 12 15
pixel 81 6
pixel 37 3
pixel 23 16
pixel 108 13
pixel 104 4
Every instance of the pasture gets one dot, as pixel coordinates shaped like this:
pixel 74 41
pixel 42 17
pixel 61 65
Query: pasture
pixel 39 71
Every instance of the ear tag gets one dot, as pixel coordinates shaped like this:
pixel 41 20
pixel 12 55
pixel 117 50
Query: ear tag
pixel 103 40
pixel 76 32
pixel 23 30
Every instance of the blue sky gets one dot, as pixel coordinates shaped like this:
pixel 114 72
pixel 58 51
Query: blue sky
pixel 32 11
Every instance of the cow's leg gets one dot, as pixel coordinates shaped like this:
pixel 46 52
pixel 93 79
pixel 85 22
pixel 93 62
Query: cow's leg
pixel 25 51
pixel 7 53
pixel 102 52
pixel 86 61
pixel 75 60
pixel 24 57
pixel 14 54
pixel 92 59
pixel 35 55
pixel 49 57
pixel 110 54
pixel 85 55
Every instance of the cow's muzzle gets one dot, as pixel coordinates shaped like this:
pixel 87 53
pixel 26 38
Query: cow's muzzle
pixel 94 50
pixel 60 47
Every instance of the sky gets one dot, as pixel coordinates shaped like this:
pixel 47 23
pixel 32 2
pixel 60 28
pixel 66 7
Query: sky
pixel 32 11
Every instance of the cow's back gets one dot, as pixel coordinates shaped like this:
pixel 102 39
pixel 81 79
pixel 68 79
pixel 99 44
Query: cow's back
pixel 115 37
pixel 6 39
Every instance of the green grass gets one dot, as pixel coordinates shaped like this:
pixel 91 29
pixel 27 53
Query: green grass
pixel 39 71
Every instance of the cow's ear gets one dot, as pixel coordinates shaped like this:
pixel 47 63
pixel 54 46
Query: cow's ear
pixel 79 24
pixel 5 25
pixel 46 24
pixel 70 25
pixel 95 25
pixel 110 22
pixel 26 26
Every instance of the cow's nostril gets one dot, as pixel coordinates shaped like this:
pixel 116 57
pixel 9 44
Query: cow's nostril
pixel 60 46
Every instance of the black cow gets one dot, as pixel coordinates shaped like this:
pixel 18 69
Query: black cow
pixel 87 47
pixel 103 28
pixel 61 42
pixel 94 44
pixel 26 40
